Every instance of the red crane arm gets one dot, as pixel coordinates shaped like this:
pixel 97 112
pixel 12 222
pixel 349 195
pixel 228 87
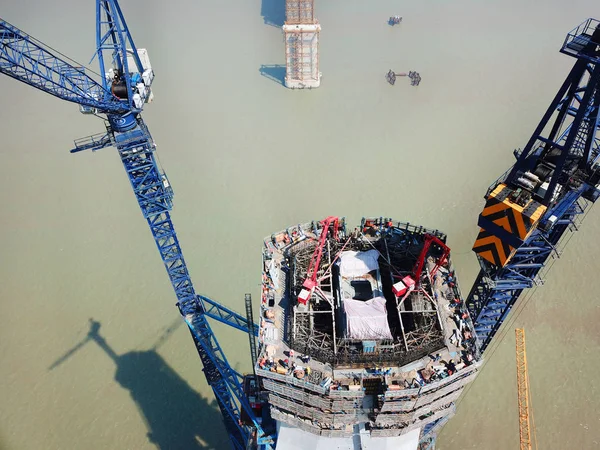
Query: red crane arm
pixel 313 267
pixel 430 239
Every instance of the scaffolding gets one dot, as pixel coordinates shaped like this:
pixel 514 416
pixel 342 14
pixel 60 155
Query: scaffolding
pixel 312 370
pixel 424 317
pixel 316 413
pixel 416 322
pixel 301 31
pixel 300 12
pixel 251 330
pixel 399 430
pixel 302 56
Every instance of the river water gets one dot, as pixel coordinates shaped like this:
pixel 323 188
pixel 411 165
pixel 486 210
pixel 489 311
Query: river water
pixel 91 352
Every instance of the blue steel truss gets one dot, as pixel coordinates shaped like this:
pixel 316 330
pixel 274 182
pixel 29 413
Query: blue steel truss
pixel 154 195
pixel 113 37
pixel 568 135
pixel 30 61
pixel 495 292
pixel 429 433
pixel 223 314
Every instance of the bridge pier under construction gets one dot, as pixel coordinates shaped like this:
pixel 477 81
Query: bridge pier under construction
pixel 301 31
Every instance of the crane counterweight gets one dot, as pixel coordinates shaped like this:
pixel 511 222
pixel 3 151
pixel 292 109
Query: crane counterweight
pixel 531 207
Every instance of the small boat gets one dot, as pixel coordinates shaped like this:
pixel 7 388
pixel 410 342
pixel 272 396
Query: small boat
pixel 394 20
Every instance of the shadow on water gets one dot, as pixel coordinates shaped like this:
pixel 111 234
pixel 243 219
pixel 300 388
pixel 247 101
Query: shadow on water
pixel 177 417
pixel 273 12
pixel 274 72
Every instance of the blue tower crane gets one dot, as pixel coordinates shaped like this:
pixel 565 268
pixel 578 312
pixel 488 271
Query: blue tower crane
pixel 124 87
pixel 530 208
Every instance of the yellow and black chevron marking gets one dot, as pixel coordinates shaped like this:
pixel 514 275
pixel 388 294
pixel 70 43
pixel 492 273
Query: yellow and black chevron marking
pixel 515 219
pixel 505 225
pixel 491 248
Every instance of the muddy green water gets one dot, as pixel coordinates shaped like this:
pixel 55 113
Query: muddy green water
pixel 247 157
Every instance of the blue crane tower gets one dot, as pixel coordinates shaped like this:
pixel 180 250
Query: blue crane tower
pixel 530 208
pixel 119 96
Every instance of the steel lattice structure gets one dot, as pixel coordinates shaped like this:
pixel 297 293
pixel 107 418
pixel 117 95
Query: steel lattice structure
pixel 124 87
pixel 564 151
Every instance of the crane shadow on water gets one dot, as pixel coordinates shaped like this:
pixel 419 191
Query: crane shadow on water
pixel 177 417
pixel 273 12
pixel 274 72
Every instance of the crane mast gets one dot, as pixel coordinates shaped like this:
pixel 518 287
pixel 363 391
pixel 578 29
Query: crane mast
pixel 530 208
pixel 124 88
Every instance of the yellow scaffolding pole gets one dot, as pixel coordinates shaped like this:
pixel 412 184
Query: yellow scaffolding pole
pixel 523 390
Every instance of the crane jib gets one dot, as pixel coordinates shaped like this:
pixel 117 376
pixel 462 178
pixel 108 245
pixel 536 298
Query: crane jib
pixel 32 62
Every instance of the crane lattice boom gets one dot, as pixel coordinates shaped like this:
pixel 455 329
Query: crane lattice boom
pixel 124 87
pixel 530 208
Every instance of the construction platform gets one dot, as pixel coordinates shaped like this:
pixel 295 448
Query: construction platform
pixel 349 349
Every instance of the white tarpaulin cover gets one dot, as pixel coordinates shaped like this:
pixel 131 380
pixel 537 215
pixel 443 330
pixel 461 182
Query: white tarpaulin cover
pixel 366 320
pixel 274 274
pixel 355 264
